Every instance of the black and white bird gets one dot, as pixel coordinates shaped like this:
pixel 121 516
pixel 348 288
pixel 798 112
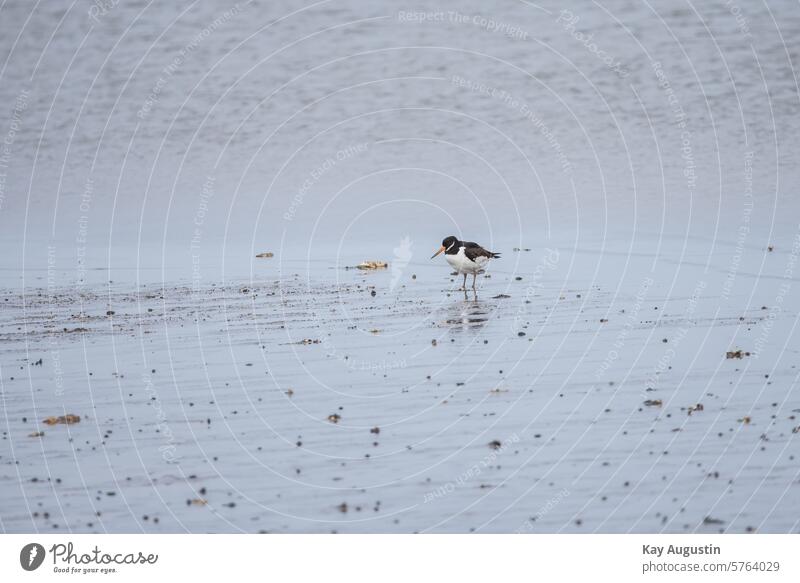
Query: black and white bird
pixel 465 257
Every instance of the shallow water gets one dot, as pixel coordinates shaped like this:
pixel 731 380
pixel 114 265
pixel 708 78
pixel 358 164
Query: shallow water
pixel 640 185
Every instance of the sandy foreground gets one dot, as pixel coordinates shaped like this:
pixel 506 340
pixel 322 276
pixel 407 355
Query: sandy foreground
pixel 386 401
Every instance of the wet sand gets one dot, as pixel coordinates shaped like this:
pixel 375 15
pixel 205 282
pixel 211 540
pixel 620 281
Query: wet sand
pixel 350 401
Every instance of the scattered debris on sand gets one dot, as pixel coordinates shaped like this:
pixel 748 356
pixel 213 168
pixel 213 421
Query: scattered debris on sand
pixel 653 403
pixel 334 417
pixel 196 502
pixel 36 434
pixel 304 341
pixel 68 419
pixel 375 430
pixel 265 255
pixel 736 354
pixel 366 265
pixel 693 408
pixel 501 297
pixel 495 444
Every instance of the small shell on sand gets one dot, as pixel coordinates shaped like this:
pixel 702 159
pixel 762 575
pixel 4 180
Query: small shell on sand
pixel 265 255
pixel 372 265
pixel 62 419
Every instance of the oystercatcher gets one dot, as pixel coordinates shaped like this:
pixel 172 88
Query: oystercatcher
pixel 465 257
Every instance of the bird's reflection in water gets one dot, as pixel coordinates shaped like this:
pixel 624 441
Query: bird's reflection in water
pixel 467 315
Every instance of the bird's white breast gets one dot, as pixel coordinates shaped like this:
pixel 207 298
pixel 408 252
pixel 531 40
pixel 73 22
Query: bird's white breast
pixel 463 264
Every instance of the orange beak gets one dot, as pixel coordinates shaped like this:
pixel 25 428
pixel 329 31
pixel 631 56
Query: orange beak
pixel 441 249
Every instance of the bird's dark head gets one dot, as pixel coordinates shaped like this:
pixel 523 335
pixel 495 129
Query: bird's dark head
pixel 447 244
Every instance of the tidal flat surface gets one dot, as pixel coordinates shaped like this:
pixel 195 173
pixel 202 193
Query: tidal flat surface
pixel 631 366
pixel 391 402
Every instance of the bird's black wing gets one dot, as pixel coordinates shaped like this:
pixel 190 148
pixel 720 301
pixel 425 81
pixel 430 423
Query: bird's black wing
pixel 473 251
